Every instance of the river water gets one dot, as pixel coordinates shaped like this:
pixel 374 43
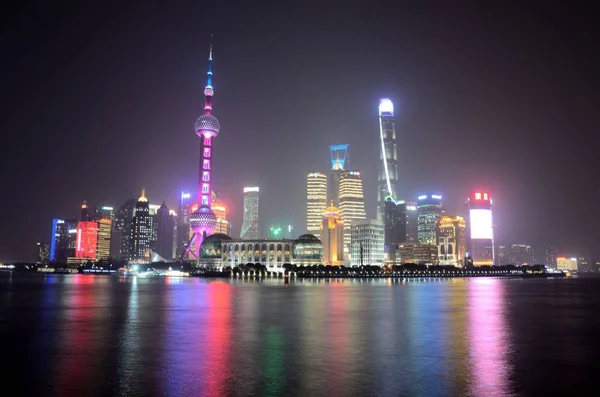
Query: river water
pixel 84 335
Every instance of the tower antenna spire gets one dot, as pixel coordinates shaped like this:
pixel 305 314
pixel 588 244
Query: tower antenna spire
pixel 208 90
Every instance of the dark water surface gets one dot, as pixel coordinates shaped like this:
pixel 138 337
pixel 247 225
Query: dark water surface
pixel 83 335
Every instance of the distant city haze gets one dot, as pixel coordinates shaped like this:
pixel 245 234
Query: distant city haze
pixel 100 100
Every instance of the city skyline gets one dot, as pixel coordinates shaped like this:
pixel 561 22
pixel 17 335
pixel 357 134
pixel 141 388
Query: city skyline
pixel 506 137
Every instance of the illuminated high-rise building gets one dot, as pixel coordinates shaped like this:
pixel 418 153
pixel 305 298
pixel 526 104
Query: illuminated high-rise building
pixel 332 236
pixel 220 211
pixel 250 230
pixel 183 222
pixel 367 243
pixel 429 209
pixel 165 226
pixel 394 225
pixel 521 254
pixel 412 220
pixel 121 236
pixel 141 230
pixel 480 232
pixel 351 203
pixel 105 212
pixel 204 221
pixel 103 241
pixel 388 155
pixel 316 202
pixel 60 240
pixel 339 159
pixel 87 240
pixel 43 252
pixel 451 240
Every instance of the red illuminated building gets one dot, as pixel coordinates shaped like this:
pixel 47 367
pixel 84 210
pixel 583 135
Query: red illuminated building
pixel 87 240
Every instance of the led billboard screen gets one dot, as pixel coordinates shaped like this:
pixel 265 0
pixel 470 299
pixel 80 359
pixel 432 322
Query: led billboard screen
pixel 481 224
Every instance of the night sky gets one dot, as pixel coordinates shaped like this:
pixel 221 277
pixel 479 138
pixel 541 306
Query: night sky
pixel 100 100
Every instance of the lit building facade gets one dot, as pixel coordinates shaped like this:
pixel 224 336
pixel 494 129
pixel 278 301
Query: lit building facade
pixel 104 235
pixel 480 233
pixel 429 212
pixel 367 243
pixel 563 263
pixel 43 252
pixel 250 227
pixel 141 230
pixel 316 201
pixel 451 240
pixel 220 210
pixel 411 214
pixel 411 252
pixel 332 237
pixel 351 203
pixel 87 240
pixel 271 253
pixel 388 156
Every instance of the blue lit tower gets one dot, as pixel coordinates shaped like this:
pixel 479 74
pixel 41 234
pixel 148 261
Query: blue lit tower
pixel 388 154
pixel 203 221
pixel 339 157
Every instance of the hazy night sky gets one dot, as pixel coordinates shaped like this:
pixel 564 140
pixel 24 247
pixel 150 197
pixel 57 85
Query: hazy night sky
pixel 100 100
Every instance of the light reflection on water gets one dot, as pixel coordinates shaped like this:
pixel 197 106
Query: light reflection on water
pixel 101 335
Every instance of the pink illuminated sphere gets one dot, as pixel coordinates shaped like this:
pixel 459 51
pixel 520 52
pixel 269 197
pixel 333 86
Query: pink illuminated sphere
pixel 203 220
pixel 207 126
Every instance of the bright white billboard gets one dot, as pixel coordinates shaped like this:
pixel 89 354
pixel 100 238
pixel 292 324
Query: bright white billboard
pixel 481 224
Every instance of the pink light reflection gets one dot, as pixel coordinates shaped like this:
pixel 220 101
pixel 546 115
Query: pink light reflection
pixel 488 337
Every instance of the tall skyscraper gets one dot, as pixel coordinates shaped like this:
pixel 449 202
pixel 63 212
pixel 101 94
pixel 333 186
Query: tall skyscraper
pixel 351 203
pixel 87 240
pixel 103 241
pixel 250 230
pixel 332 236
pixel 220 211
pixel 339 158
pixel 429 210
pixel 165 225
pixel 105 212
pixel 367 243
pixel 451 240
pixel 412 220
pixel 183 222
pixel 394 222
pixel 480 243
pixel 59 240
pixel 203 221
pixel 316 202
pixel 121 237
pixel 388 155
pixel 141 230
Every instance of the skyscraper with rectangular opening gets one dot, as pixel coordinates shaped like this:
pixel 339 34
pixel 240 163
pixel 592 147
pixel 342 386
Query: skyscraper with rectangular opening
pixel 388 156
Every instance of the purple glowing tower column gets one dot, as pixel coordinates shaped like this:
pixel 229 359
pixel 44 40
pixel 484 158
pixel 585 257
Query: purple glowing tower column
pixel 203 221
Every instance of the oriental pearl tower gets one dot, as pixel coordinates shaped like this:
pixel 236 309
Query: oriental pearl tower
pixel 203 221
